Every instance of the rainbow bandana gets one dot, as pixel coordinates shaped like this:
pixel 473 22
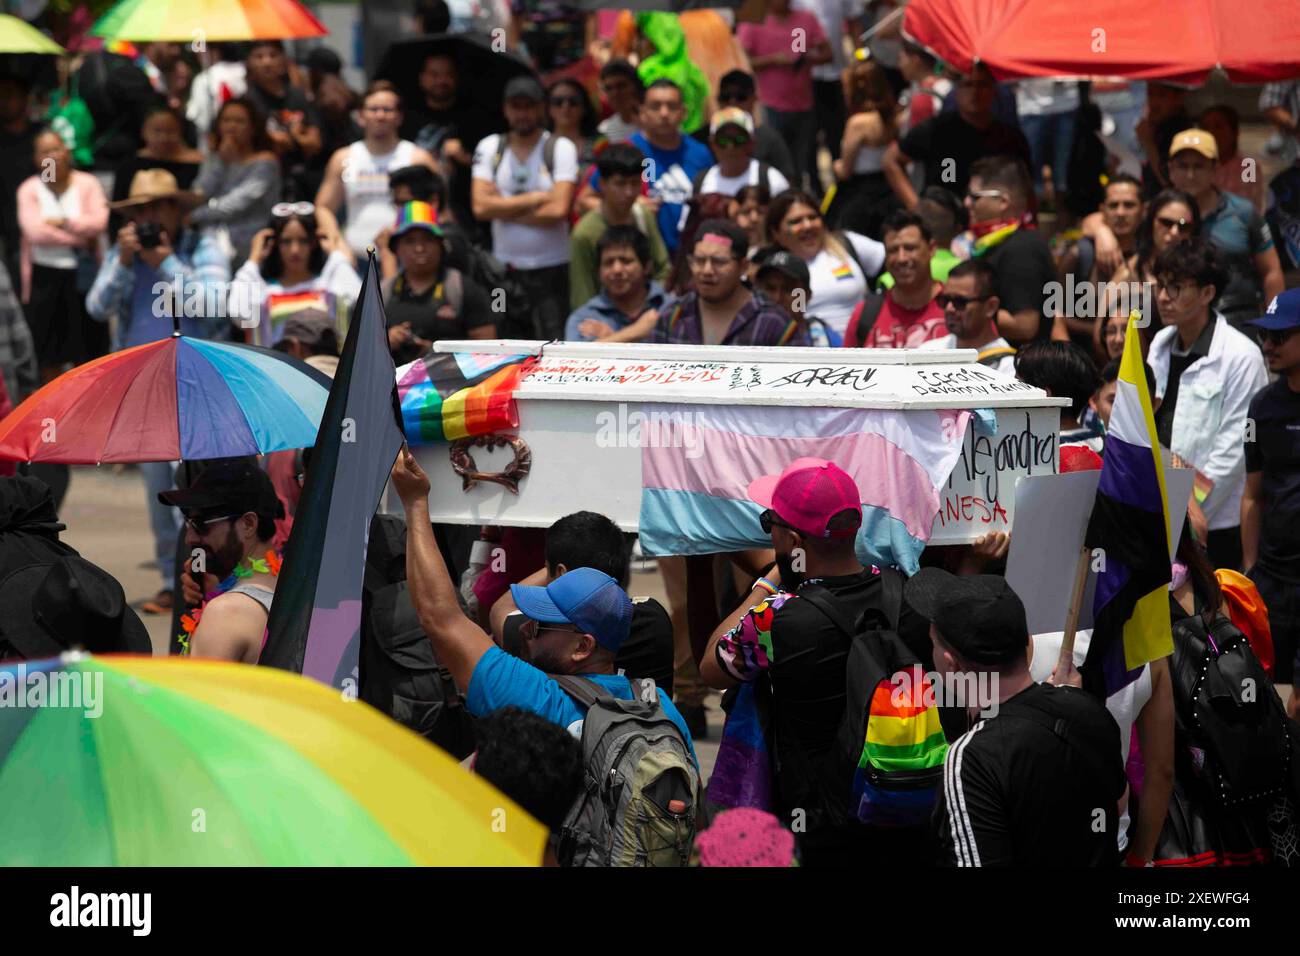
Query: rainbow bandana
pixel 415 215
pixel 988 235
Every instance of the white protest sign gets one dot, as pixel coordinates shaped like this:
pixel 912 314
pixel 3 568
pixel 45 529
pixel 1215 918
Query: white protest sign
pixel 1052 513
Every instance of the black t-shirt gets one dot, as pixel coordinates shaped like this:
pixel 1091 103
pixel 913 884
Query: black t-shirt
pixel 647 654
pixel 949 137
pixel 280 111
pixel 807 675
pixel 433 316
pixel 1178 364
pixel 17 162
pixel 1275 453
pixel 1023 268
pixel 1018 793
pixel 429 129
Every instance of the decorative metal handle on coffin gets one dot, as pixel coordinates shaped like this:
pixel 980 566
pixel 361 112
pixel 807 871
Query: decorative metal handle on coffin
pixel 462 462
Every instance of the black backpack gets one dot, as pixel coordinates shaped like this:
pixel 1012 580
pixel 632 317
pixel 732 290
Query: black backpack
pixel 1228 707
pixel 399 674
pixel 890 746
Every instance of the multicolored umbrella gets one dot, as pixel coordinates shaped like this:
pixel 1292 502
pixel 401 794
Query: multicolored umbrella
pixel 138 761
pixel 19 36
pixel 177 398
pixel 162 20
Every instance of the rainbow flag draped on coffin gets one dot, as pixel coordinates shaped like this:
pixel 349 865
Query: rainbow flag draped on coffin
pixel 697 462
pixel 450 395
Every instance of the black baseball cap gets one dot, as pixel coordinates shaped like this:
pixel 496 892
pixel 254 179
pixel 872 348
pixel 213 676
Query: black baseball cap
pixel 524 88
pixel 228 487
pixel 789 265
pixel 978 615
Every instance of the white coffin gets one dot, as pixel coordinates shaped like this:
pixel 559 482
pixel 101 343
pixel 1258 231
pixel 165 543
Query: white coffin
pixel 562 402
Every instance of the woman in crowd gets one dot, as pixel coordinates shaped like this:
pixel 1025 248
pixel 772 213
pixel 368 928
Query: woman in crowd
pixel 842 265
pixel 62 217
pixel 863 198
pixel 163 132
pixel 293 264
pixel 1171 217
pixel 748 210
pixel 240 179
pixel 571 115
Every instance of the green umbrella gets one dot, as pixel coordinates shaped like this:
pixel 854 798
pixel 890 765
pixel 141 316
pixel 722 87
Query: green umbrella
pixel 18 36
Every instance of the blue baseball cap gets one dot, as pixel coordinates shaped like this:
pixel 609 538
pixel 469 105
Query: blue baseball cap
pixel 588 599
pixel 1283 312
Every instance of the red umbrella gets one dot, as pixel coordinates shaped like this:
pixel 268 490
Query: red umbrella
pixel 1253 41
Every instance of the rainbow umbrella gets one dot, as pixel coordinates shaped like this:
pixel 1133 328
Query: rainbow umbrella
pixel 19 36
pixel 161 20
pixel 139 761
pixel 175 398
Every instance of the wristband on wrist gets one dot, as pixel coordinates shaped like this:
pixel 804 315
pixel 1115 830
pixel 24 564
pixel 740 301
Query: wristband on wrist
pixel 763 584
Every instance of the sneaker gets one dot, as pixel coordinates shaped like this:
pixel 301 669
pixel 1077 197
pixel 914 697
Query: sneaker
pixel 160 603
pixel 697 720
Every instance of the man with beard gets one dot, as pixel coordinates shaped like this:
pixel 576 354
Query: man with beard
pixel 523 182
pixel 230 513
pixel 782 633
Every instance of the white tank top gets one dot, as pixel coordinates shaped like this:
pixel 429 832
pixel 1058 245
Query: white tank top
pixel 869 160
pixel 365 189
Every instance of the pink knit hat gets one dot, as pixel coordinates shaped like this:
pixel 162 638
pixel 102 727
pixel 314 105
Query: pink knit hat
pixel 745 837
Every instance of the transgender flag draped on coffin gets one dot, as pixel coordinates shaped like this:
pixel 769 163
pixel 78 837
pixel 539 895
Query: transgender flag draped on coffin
pixel 698 460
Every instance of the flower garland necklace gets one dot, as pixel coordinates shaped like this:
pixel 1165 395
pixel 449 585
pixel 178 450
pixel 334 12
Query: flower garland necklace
pixel 268 564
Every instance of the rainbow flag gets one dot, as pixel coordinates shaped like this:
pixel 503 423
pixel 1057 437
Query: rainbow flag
pixel 698 461
pixel 903 734
pixel 842 271
pixel 450 395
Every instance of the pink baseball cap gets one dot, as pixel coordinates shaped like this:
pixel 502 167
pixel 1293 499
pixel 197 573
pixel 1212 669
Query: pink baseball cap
pixel 808 494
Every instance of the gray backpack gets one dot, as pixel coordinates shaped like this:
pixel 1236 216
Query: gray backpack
pixel 641 786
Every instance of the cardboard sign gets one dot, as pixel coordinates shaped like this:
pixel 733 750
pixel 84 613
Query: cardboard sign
pixel 1052 515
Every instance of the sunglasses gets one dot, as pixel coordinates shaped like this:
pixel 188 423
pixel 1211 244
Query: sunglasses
pixel 200 525
pixel 1168 223
pixel 1276 336
pixel 769 520
pixel 565 101
pixel 283 210
pixel 730 142
pixel 531 629
pixel 958 302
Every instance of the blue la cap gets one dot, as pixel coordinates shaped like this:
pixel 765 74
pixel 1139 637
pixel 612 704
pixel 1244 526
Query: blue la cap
pixel 1283 312
pixel 588 599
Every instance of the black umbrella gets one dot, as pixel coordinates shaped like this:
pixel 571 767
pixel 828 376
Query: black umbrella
pixel 663 6
pixel 483 70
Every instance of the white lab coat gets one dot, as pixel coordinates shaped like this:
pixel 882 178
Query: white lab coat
pixel 1210 420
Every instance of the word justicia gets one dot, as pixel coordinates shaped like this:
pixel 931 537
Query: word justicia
pixel 655 429
pixel 74 908
pixel 192 299
pixel 968 690
pixel 69 690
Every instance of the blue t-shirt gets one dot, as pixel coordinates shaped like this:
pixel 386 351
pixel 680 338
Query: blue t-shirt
pixel 671 177
pixel 503 680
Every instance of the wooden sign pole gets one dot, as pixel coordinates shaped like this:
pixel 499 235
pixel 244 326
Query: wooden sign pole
pixel 1065 663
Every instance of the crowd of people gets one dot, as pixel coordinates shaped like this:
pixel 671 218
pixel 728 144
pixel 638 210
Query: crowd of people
pixel 627 192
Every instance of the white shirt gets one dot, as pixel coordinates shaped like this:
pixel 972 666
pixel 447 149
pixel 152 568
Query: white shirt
pixel 1210 420
pixel 518 245
pixel 249 292
pixel 54 206
pixel 1124 705
pixel 365 188
pixel 715 182
pixel 837 286
pixel 1006 365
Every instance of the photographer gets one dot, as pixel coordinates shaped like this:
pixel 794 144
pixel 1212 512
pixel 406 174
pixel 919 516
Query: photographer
pixel 154 264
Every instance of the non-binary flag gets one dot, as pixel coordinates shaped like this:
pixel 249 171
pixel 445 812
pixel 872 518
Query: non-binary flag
pixel 697 462
pixel 1130 523
pixel 449 395
pixel 315 621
